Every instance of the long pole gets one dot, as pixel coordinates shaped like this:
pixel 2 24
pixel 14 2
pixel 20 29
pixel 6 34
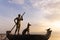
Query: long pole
pixel 13 27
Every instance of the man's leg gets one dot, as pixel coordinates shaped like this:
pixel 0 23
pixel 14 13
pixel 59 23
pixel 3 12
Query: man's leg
pixel 18 28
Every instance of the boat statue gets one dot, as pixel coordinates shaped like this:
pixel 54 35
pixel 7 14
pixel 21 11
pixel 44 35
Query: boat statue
pixel 25 34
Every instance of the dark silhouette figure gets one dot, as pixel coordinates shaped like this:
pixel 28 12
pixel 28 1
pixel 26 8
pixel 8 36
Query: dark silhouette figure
pixel 17 21
pixel 29 36
pixel 48 33
pixel 26 30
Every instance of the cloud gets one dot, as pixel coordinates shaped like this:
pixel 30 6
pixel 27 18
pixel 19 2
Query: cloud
pixel 16 1
pixel 53 17
pixel 49 8
pixel 43 3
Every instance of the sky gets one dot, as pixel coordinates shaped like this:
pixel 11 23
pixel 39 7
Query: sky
pixel 41 14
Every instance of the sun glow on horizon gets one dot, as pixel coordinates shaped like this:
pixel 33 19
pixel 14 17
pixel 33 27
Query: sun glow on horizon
pixel 56 25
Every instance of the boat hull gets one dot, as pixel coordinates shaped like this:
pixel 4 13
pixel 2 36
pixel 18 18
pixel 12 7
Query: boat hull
pixel 27 37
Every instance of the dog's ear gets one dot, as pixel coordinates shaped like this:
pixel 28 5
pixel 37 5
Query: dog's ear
pixel 29 24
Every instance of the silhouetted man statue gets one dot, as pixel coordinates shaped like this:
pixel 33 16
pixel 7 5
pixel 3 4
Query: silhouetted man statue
pixel 26 30
pixel 17 21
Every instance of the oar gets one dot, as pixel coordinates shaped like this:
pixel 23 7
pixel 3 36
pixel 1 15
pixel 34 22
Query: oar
pixel 13 27
pixel 23 14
